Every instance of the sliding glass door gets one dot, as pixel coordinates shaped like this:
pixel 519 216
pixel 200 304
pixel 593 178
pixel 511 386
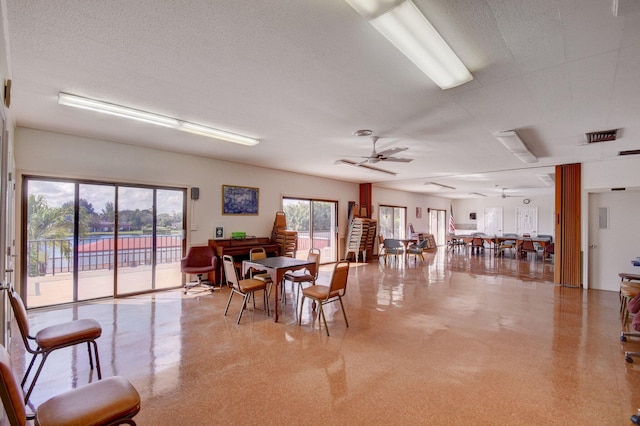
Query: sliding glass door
pixel 316 224
pixel 392 221
pixel 87 240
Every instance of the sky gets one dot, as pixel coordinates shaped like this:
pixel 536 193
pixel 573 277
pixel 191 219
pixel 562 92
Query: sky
pixel 130 198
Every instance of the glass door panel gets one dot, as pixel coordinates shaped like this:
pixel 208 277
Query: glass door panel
pixel 135 240
pixel 322 227
pixel 315 221
pixel 169 237
pixel 49 243
pixel 96 243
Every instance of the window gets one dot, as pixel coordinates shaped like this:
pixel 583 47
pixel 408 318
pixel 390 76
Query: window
pixel 392 221
pixel 86 240
pixel 316 224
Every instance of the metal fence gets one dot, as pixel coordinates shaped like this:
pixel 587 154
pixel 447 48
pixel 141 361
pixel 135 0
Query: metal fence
pixel 54 256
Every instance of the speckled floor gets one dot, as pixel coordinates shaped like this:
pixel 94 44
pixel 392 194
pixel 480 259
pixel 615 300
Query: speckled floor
pixel 450 341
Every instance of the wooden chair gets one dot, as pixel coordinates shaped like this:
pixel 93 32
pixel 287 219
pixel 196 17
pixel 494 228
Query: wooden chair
pixel 323 294
pixel 111 401
pixel 245 288
pixel 54 337
pixel 527 247
pixel 477 245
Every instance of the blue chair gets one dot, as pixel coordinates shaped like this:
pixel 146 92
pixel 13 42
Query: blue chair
pixel 392 247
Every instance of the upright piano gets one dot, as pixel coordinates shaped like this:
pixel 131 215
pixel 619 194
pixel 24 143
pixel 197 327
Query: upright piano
pixel 239 249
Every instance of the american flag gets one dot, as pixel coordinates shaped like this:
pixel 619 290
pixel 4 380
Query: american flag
pixel 452 223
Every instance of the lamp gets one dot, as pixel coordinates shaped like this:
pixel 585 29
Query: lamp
pixel 199 129
pixel 117 110
pixel 513 143
pixel 439 185
pixel 152 118
pixel 402 23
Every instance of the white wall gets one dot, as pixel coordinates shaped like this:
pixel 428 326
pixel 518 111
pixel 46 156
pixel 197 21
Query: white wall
pixel 58 155
pixel 409 200
pixel 462 209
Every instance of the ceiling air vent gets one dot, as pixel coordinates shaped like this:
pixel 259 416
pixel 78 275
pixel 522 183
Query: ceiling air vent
pixel 630 152
pixel 602 136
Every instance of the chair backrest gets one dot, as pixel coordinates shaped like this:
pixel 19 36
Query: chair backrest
pixel 11 392
pixel 380 239
pixel 477 241
pixel 392 243
pixel 257 253
pixel 527 245
pixel 230 270
pixel 200 256
pixel 339 278
pixel 314 256
pixel 20 314
pixel 411 230
pixel 549 248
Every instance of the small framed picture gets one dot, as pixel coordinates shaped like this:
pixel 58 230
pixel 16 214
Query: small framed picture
pixel 219 232
pixel 418 212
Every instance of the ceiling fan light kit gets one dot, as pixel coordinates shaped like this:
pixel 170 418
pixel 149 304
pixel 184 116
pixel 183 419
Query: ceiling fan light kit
pixel 402 23
pixel 152 118
pixel 516 146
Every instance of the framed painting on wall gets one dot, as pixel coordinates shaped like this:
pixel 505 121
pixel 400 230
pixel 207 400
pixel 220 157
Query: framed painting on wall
pixel 240 200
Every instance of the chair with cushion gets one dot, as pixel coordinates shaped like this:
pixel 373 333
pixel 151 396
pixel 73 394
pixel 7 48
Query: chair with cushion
pixel 502 245
pixel 392 247
pixel 53 337
pixel 245 288
pixel 477 245
pixel 111 401
pixel 527 247
pixel 416 250
pixel 257 253
pixel 200 260
pixel 307 275
pixel 323 294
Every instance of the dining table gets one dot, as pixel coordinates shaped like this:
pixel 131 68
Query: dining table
pixel 276 267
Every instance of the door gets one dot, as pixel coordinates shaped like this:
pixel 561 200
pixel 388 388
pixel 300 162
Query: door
pixel 526 220
pixel 438 225
pixel 611 244
pixel 493 220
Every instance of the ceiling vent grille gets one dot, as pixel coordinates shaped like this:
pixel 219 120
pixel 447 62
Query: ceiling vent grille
pixel 602 136
pixel 630 152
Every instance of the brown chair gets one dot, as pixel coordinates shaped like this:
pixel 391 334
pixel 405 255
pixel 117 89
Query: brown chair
pixel 54 337
pixel 326 294
pixel 246 288
pixel 549 251
pixel 306 275
pixel 527 247
pixel 200 260
pixel 111 401
pixel 477 245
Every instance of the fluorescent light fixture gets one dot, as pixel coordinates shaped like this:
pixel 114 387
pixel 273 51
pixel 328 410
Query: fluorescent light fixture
pixel 151 118
pixel 117 110
pixel 513 143
pixel 440 186
pixel 405 27
pixel 199 129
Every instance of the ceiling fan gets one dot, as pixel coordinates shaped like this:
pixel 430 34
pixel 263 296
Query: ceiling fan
pixel 375 156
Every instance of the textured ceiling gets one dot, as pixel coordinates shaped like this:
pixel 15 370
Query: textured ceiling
pixel 303 75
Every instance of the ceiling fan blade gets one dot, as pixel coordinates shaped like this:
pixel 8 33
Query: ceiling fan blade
pixel 391 151
pixel 398 160
pixel 363 165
